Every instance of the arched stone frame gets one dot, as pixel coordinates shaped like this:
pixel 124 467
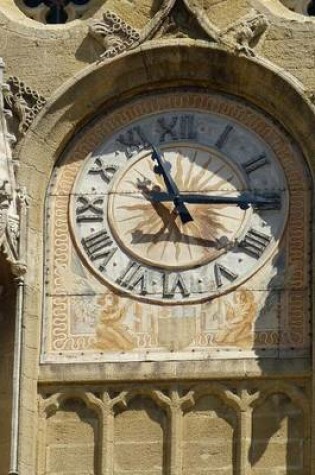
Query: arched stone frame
pixel 53 404
pixel 299 399
pixel 155 65
pixel 231 401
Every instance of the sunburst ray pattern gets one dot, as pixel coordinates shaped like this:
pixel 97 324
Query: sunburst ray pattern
pixel 153 232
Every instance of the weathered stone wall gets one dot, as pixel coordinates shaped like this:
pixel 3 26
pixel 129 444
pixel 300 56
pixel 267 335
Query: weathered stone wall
pixel 45 56
pixel 216 417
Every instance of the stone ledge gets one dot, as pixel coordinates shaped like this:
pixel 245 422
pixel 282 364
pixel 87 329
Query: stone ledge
pixel 166 371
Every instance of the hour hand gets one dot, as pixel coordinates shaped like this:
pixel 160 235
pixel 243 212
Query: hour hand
pixel 163 168
pixel 244 200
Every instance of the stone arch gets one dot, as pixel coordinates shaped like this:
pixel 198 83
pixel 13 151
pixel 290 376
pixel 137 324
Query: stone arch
pixel 159 66
pixel 140 436
pixel 213 421
pixel 281 416
pixel 76 417
pixel 153 66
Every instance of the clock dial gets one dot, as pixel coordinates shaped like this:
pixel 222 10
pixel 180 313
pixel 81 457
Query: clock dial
pixel 128 228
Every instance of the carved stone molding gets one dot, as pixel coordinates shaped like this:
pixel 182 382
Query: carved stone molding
pixel 24 103
pixel 179 19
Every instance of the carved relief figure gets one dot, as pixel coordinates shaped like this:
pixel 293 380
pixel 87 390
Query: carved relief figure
pixel 245 34
pixel 238 326
pixel 111 333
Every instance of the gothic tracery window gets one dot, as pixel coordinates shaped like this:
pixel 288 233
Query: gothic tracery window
pixel 304 7
pixel 53 11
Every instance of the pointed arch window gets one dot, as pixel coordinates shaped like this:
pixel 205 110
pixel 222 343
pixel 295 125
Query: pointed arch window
pixel 53 11
pixel 304 7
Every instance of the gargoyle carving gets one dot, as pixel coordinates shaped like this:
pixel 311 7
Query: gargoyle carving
pixel 114 34
pixel 24 102
pixel 245 34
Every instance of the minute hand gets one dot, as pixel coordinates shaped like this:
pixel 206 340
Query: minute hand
pixel 244 200
pixel 173 192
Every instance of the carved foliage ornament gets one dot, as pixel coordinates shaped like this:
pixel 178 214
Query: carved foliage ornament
pixel 114 34
pixel 178 18
pixel 24 102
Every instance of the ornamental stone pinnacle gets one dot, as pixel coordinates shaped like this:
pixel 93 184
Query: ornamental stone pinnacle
pixel 10 203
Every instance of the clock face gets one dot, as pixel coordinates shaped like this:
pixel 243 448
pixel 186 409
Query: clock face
pixel 132 233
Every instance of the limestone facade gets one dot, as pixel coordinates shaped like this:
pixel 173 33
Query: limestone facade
pixel 100 376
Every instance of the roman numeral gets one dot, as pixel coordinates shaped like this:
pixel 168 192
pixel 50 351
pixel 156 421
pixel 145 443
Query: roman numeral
pixel 224 137
pixel 176 128
pixel 222 271
pixel 253 164
pixel 133 141
pixel 134 276
pixel 106 171
pixel 168 128
pixel 255 243
pixel 89 209
pixel 172 283
pixel 187 127
pixel 98 246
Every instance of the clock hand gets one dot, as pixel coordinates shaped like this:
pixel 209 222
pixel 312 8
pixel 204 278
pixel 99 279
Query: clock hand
pixel 163 168
pixel 244 200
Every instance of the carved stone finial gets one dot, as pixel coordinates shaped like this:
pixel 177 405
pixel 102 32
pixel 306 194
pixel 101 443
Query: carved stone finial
pixel 23 101
pixel 245 34
pixel 114 34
